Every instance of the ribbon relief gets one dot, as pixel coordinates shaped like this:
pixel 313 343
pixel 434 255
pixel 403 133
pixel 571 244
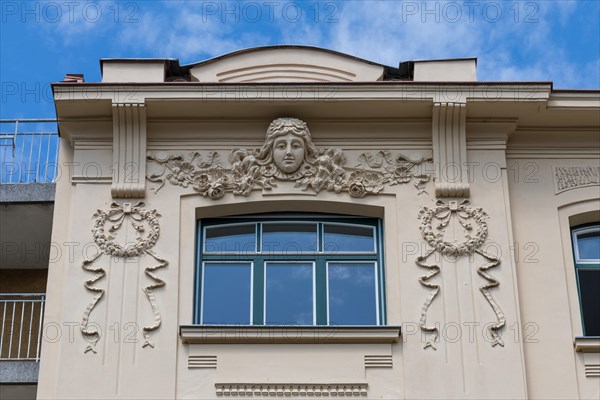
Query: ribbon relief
pixel 476 235
pixel 141 220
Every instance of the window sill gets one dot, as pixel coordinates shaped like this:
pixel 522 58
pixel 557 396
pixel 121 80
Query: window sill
pixel 587 344
pixel 221 334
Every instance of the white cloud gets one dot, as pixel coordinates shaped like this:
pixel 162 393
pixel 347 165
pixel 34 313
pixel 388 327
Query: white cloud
pixel 75 20
pixel 517 41
pixel 563 73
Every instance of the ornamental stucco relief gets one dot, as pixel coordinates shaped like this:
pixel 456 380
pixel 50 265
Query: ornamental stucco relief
pixel 262 390
pixel 288 155
pixel 567 178
pixel 145 223
pixel 434 222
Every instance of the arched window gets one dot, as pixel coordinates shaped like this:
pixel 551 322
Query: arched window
pixel 290 269
pixel 586 250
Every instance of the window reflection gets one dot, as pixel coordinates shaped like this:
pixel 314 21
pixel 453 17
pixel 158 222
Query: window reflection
pixel 352 294
pixel 348 238
pixel 231 239
pixel 588 244
pixel 289 238
pixel 289 294
pixel 226 293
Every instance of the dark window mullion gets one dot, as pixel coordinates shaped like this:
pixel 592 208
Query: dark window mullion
pixel 259 237
pixel 587 266
pixel 351 257
pixel 320 237
pixel 289 258
pixel 381 271
pixel 321 291
pixel 198 273
pixel 259 292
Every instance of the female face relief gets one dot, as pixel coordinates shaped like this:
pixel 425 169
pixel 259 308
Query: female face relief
pixel 288 153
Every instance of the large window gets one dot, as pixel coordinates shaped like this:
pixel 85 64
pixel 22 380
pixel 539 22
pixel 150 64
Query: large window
pixel 586 249
pixel 289 269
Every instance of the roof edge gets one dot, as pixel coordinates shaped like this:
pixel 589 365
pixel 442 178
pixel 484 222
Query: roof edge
pixel 282 46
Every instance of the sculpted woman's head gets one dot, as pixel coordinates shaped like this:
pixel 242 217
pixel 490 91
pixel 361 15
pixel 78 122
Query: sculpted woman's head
pixel 288 145
pixel 288 152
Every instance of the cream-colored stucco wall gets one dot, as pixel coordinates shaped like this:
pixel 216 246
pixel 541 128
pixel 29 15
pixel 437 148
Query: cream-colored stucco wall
pixel 549 300
pixel 528 231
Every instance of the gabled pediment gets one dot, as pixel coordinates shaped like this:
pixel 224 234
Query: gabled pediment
pixel 286 64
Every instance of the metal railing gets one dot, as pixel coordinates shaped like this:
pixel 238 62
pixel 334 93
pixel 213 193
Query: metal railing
pixel 29 155
pixel 22 324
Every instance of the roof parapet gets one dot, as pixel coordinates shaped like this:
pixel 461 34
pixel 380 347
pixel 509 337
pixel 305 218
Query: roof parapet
pixel 451 70
pixel 283 63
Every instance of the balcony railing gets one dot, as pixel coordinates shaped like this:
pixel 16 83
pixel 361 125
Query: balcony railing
pixel 28 150
pixel 22 317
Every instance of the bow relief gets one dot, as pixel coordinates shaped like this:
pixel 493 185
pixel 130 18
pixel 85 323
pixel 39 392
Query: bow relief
pixel 434 224
pixel 288 155
pixel 109 235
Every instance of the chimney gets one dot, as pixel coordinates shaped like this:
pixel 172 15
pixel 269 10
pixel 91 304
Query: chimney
pixel 76 78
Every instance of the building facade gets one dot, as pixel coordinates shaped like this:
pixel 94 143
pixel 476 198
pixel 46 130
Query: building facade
pixel 295 222
pixel 28 159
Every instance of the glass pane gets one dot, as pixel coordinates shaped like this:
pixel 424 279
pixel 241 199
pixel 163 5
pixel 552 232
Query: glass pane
pixel 230 239
pixel 352 295
pixel 589 246
pixel 289 294
pixel 289 238
pixel 347 238
pixel 589 285
pixel 226 293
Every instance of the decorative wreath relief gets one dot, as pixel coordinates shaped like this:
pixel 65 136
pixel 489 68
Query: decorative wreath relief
pixel 115 218
pixel 112 221
pixel 465 216
pixel 439 217
pixel 288 154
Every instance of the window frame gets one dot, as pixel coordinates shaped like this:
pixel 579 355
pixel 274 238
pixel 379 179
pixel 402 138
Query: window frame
pixel 320 259
pixel 583 264
pixel 583 229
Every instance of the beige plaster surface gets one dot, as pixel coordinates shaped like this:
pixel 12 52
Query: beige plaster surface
pixel 510 176
pixel 446 71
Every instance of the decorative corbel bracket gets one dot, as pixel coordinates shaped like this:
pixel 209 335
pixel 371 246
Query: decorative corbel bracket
pixel 450 149
pixel 129 150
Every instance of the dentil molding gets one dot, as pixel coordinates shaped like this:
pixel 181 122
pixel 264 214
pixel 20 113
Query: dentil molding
pixel 261 390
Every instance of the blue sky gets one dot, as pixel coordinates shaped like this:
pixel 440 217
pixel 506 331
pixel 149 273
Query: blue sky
pixel 551 40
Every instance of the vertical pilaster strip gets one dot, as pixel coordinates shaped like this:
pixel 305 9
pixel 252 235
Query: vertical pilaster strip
pixel 450 149
pixel 129 150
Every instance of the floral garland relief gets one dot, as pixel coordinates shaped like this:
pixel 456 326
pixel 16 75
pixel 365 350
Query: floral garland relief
pixel 288 154
pixel 475 238
pixel 141 220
